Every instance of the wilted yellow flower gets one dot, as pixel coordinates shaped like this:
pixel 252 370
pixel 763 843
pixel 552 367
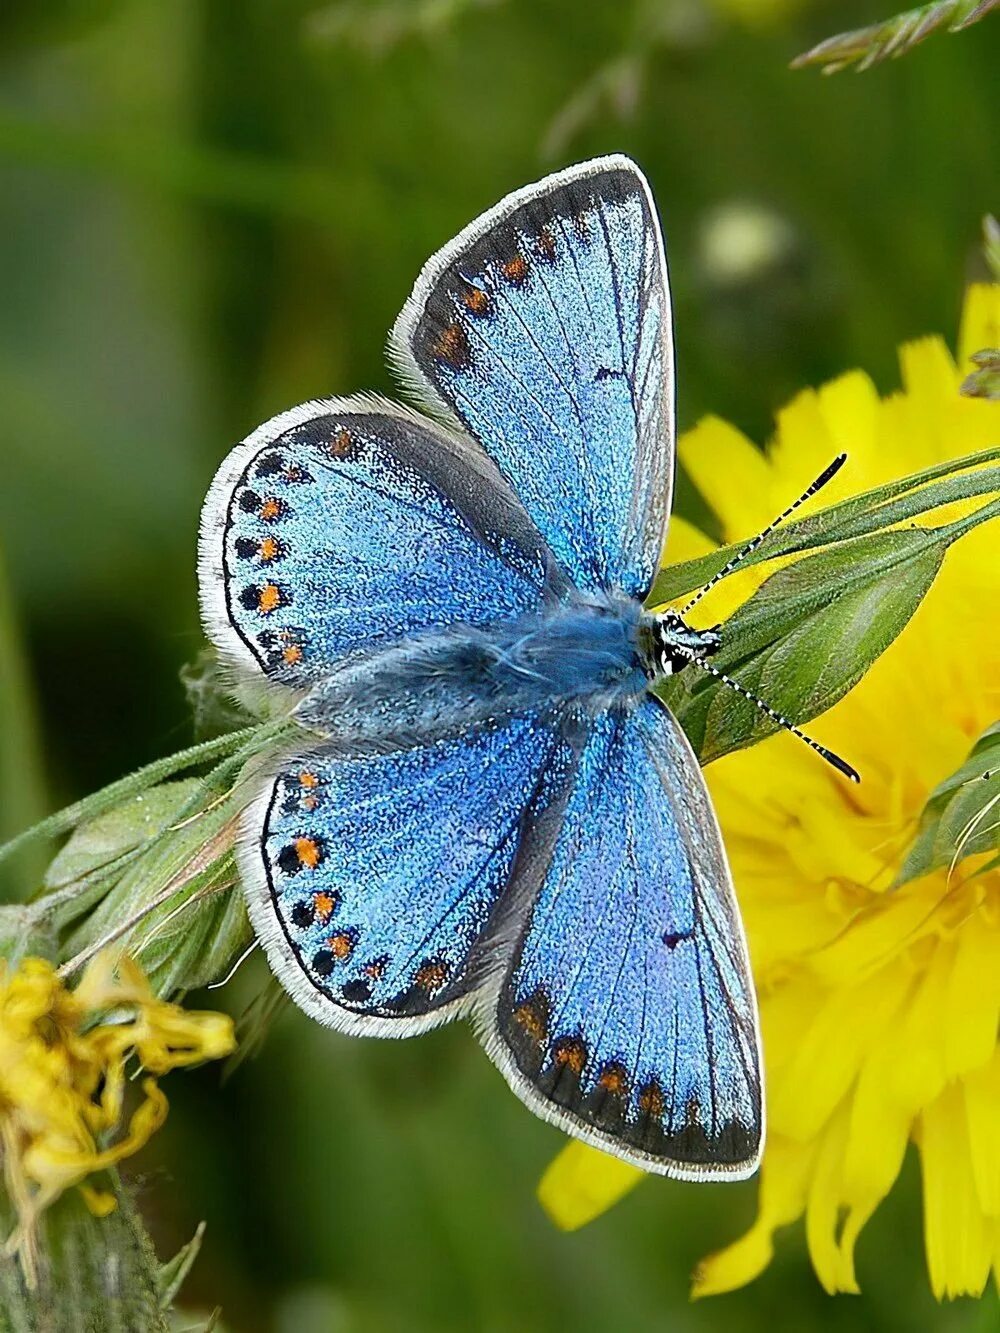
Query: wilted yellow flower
pixel 879 1004
pixel 62 1078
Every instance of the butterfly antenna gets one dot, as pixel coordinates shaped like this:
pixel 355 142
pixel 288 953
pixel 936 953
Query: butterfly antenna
pixel 841 765
pixel 826 475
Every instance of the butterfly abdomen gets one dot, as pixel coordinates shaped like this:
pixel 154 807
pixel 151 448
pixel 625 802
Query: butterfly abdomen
pixel 583 650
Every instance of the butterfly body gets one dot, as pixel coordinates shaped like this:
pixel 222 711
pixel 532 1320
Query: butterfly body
pixel 489 814
pixel 584 652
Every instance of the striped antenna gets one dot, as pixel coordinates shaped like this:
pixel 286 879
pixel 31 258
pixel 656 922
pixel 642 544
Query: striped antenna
pixel 841 765
pixel 730 565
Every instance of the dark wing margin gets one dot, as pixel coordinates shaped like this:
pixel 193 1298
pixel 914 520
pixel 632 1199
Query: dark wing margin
pixel 545 329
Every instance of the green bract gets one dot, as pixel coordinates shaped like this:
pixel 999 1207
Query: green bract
pixel 813 629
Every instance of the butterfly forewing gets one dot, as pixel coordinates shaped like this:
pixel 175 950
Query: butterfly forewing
pixel 545 329
pixel 349 524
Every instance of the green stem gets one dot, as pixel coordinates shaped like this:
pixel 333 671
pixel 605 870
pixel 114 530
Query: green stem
pixel 106 799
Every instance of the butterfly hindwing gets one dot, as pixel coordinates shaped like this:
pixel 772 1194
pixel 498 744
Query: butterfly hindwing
pixel 628 1015
pixel 372 878
pixel 544 327
pixel 350 524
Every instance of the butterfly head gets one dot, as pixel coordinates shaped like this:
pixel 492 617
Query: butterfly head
pixel 670 644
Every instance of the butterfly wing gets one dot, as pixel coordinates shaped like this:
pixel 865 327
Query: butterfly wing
pixel 627 1015
pixel 352 523
pixel 372 879
pixel 544 327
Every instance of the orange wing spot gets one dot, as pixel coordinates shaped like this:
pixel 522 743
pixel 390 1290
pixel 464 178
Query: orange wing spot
pixel 453 346
pixel 323 904
pixel 546 245
pixel 307 779
pixel 291 654
pixel 571 1053
pixel 309 802
pixel 341 444
pixel 614 1079
pixel 432 975
pixel 307 850
pixel 528 1017
pixel 269 599
pixel 341 945
pixel 269 549
pixel 516 270
pixel 376 968
pixel 477 300
pixel 271 509
pixel 651 1100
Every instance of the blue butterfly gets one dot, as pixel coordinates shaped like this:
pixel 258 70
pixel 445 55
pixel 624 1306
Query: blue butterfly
pixel 493 817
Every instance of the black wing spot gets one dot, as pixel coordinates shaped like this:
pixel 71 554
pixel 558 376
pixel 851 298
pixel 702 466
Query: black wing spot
pixel 323 963
pixel 672 938
pixel 356 992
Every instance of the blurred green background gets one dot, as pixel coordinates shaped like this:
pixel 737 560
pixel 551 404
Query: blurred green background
pixel 210 210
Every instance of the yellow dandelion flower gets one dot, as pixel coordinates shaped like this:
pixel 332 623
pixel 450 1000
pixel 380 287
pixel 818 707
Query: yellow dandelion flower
pixel 62 1079
pixel 879 1003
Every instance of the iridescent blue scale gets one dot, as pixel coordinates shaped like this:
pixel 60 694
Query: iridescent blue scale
pixel 489 814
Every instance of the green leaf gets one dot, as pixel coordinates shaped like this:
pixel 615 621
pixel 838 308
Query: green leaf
pixel 181 950
pixel 897 502
pixel 984 381
pixel 24 931
pixel 103 840
pixel 962 814
pixel 108 798
pixel 173 1273
pixel 173 908
pixel 809 633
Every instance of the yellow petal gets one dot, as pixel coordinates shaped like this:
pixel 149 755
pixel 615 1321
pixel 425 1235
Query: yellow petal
pixel 827 1060
pixel 973 997
pixel 849 406
pixel 731 473
pixel 783 1188
pixel 956 1235
pixel 685 542
pixel 805 445
pixel 980 320
pixel 877 1136
pixel 582 1182
pixel 824 1205
pixel 982 1109
pixel 735 1266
